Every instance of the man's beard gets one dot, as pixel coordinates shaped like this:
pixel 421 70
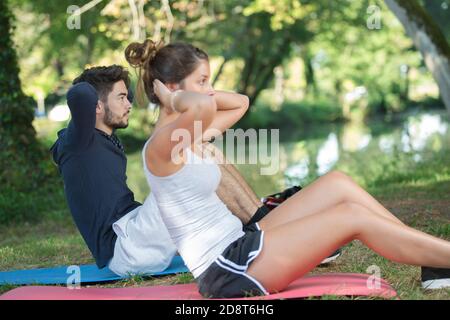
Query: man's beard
pixel 112 121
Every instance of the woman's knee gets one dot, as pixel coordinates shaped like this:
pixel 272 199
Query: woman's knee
pixel 343 184
pixel 355 214
pixel 339 181
pixel 340 175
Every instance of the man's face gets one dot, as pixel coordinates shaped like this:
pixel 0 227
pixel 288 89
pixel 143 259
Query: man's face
pixel 117 107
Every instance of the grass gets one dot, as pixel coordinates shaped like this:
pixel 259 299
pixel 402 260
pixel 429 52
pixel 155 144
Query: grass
pixel 53 243
pixel 418 195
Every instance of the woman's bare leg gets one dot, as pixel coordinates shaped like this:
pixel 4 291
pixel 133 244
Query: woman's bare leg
pixel 297 247
pixel 327 191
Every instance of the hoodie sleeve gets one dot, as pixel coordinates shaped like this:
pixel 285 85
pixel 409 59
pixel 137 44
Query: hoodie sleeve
pixel 82 100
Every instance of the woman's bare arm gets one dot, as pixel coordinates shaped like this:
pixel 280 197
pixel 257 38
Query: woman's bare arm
pixel 231 107
pixel 193 107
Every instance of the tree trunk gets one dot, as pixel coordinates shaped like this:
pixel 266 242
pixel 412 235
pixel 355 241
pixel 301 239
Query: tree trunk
pixel 16 112
pixel 238 36
pixel 311 86
pixel 219 72
pixel 20 153
pixel 247 72
pixel 428 39
pixel 266 73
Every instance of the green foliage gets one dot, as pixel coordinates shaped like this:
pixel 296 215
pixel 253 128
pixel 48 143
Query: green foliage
pixel 254 36
pixel 364 57
pixel 293 114
pixel 26 200
pixel 16 109
pixel 285 12
pixel 23 160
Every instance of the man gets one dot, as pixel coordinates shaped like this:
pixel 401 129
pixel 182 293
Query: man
pixel 121 233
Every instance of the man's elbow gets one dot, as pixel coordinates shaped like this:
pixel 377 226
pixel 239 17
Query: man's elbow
pixel 80 94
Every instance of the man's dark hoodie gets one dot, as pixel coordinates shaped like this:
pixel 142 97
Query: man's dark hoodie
pixel 93 168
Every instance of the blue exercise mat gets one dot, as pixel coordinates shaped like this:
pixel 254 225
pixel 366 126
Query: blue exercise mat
pixel 87 274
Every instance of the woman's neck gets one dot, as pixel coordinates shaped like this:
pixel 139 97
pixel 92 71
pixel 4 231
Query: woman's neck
pixel 165 118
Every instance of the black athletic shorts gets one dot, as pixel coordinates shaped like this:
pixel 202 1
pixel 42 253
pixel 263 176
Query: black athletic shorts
pixel 226 277
pixel 271 202
pixel 260 213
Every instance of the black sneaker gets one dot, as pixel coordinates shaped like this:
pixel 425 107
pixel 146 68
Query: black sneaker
pixel 274 200
pixel 332 257
pixel 435 278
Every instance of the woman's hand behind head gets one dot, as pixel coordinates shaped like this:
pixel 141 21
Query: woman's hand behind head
pixel 162 92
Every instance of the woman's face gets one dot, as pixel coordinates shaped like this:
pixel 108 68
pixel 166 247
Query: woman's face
pixel 199 79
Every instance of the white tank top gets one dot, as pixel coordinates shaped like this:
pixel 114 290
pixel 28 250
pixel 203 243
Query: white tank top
pixel 199 223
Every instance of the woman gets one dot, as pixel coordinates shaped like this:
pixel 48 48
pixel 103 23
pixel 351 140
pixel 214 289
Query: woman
pixel 226 259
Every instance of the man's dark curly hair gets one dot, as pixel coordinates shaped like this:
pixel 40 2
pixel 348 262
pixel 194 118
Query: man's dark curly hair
pixel 103 78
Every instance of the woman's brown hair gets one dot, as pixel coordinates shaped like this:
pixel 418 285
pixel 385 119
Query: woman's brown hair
pixel 168 63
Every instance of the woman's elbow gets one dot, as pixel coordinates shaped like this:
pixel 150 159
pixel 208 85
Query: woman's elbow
pixel 245 102
pixel 207 105
pixel 206 108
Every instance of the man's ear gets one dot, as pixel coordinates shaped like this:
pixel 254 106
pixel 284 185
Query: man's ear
pixel 100 107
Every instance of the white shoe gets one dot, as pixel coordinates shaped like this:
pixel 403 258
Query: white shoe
pixel 332 257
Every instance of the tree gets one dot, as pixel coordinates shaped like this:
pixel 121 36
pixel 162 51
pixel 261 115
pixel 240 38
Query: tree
pixel 439 11
pixel 20 152
pixel 428 39
pixel 16 109
pixel 51 51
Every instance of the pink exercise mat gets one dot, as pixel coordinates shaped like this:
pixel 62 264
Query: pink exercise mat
pixel 341 284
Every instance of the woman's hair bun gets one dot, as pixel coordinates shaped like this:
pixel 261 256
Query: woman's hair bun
pixel 139 54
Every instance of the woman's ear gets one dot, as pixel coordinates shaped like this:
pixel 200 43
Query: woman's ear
pixel 173 86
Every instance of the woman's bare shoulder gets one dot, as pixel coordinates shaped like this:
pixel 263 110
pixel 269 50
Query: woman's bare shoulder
pixel 157 164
